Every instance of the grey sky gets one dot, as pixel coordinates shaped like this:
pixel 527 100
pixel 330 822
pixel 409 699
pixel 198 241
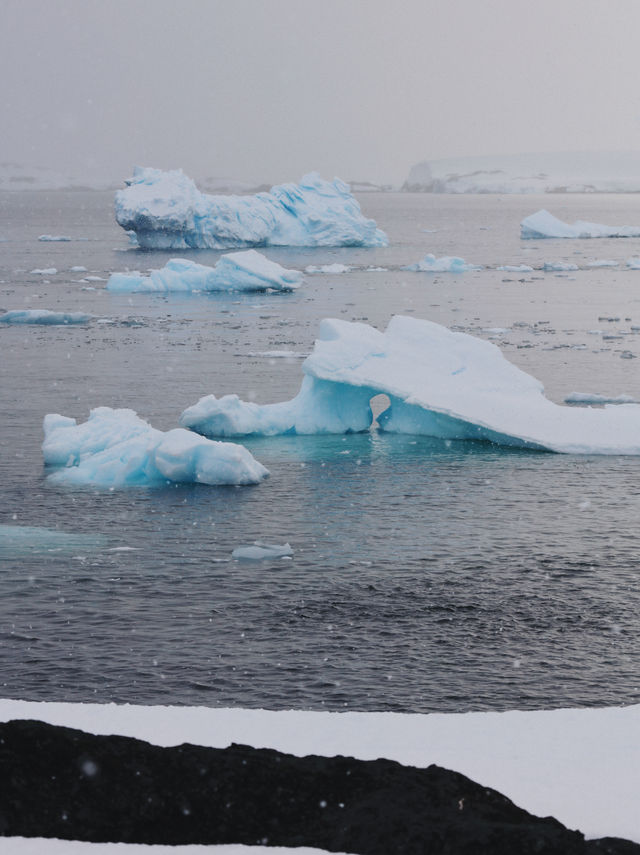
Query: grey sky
pixel 265 90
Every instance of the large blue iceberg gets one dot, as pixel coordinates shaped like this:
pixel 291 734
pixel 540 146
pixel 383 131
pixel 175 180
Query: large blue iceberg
pixel 439 383
pixel 236 271
pixel 167 211
pixel 116 448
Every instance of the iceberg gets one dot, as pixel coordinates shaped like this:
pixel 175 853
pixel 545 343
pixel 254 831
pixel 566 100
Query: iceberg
pixel 446 264
pixel 165 210
pixel 439 383
pixel 116 448
pixel 44 317
pixel 542 224
pixel 236 271
pixel 54 238
pixel 535 172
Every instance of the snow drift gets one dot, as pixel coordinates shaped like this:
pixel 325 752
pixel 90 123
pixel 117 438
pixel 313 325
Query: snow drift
pixel 439 383
pixel 167 211
pixel 236 271
pixel 116 448
pixel 542 224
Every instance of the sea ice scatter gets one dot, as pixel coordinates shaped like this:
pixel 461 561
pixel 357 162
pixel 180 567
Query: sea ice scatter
pixel 446 264
pixel 236 271
pixel 439 383
pixel 116 448
pixel 542 224
pixel 44 317
pixel 327 268
pixel 559 266
pixel 165 210
pixel 259 551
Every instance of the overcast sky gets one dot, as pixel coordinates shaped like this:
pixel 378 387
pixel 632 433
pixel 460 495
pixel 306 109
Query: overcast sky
pixel 265 90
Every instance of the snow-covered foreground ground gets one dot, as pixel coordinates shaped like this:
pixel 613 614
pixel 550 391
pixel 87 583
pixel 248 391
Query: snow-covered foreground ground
pixel 581 766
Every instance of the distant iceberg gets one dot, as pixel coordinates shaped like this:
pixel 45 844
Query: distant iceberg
pixel 116 448
pixel 44 317
pixel 167 211
pixel 235 271
pixel 439 383
pixel 446 264
pixel 542 224
pixel 560 172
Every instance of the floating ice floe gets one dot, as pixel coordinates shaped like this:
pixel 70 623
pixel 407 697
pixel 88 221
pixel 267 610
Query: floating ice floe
pixel 116 448
pixel 445 264
pixel 45 271
pixel 439 383
pixel 78 268
pixel 633 263
pixel 259 551
pixel 586 398
pixel 560 266
pixel 44 317
pixel 167 211
pixel 19 540
pixel 542 224
pixel 54 238
pixel 603 262
pixel 515 268
pixel 327 268
pixel 236 271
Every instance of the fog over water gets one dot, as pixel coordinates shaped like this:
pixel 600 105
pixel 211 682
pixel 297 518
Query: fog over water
pixel 264 92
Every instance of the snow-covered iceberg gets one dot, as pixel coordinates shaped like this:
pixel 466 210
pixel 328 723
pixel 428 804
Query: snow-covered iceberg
pixel 167 211
pixel 439 383
pixel 536 172
pixel 542 224
pixel 44 317
pixel 236 271
pixel 445 264
pixel 116 448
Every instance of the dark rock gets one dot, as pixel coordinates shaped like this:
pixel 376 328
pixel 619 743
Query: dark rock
pixel 59 782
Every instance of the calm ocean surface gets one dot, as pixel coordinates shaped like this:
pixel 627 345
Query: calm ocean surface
pixel 426 576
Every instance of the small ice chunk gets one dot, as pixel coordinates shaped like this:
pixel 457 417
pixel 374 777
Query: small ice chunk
pixel 259 551
pixel 445 264
pixel 327 268
pixel 45 271
pixel 44 317
pixel 116 448
pixel 603 262
pixel 516 268
pixel 559 266
pixel 78 268
pixel 54 238
pixel 633 263
pixel 587 398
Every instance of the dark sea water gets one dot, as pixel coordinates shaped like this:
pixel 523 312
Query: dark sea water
pixel 426 575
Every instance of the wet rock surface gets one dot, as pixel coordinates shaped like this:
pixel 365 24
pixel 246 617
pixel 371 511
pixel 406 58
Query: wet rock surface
pixel 65 783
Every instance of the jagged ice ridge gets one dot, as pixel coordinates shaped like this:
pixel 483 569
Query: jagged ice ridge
pixel 167 211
